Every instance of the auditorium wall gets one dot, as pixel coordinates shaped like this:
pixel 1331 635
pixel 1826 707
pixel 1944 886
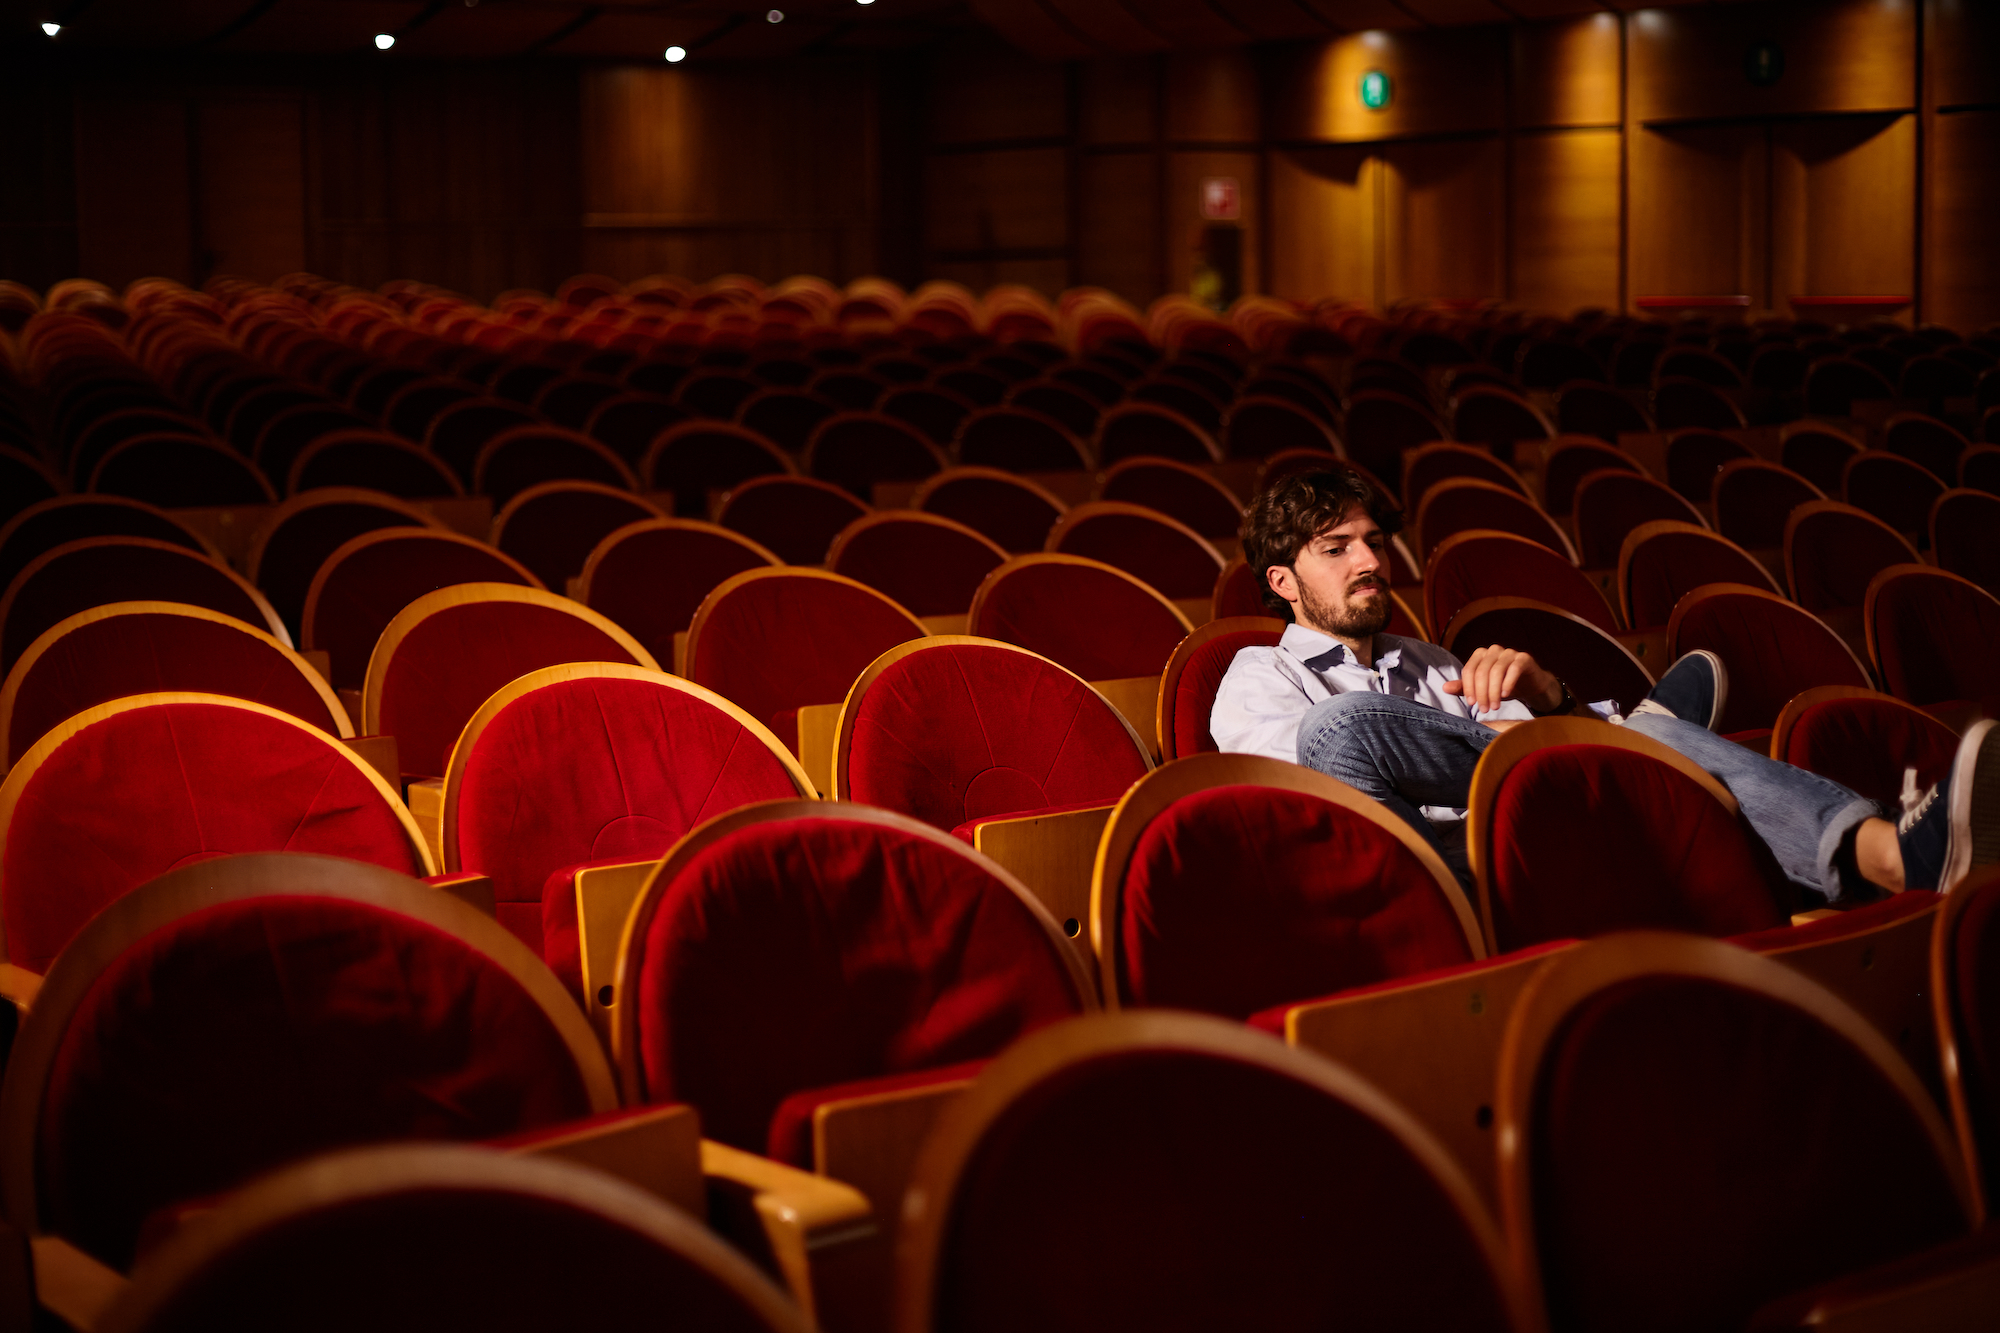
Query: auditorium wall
pixel 1587 161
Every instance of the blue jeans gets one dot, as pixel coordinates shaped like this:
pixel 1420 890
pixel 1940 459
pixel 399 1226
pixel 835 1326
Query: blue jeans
pixel 1406 754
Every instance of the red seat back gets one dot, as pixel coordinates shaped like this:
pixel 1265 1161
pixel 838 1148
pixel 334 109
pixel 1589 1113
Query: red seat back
pixel 1753 500
pixel 1833 550
pixel 795 518
pixel 1771 648
pixel 1892 488
pixel 1459 505
pixel 1194 676
pixel 953 731
pixel 651 577
pixel 1012 511
pixel 1181 492
pixel 1148 430
pixel 1611 505
pixel 301 533
pixel 1965 536
pixel 931 566
pixel 1481 562
pixel 1966 969
pixel 1018 439
pixel 121 795
pixel 1573 460
pixel 820 948
pixel 1381 424
pixel 553 527
pixel 1695 456
pixel 696 457
pixel 1593 664
pixel 854 450
pixel 1865 744
pixel 1934 636
pixel 1159 551
pixel 1089 618
pixel 1662 562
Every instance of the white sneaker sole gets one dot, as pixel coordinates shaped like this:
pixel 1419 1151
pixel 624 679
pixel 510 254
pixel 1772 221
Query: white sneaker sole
pixel 1975 806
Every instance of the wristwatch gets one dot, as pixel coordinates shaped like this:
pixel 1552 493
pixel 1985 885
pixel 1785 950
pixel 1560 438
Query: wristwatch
pixel 1565 707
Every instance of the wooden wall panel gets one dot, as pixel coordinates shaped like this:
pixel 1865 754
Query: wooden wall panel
pixel 1566 73
pixel 1962 272
pixel 1444 206
pixel 1211 97
pixel 1118 242
pixel 1324 206
pixel 1840 55
pixel 250 181
pixel 982 91
pixel 1446 80
pixel 1697 215
pixel 1007 199
pixel 134 211
pixel 1566 209
pixel 1962 52
pixel 1185 173
pixel 1120 100
pixel 1843 207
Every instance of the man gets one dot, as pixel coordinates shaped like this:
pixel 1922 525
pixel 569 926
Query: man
pixel 1405 721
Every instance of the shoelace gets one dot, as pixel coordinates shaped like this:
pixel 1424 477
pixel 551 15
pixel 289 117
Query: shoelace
pixel 1915 804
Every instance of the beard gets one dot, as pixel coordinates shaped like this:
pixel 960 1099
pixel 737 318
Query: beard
pixel 1353 620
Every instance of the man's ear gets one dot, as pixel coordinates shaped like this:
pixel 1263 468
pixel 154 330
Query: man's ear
pixel 1284 581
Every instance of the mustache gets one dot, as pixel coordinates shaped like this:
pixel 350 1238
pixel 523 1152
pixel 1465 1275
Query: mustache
pixel 1368 581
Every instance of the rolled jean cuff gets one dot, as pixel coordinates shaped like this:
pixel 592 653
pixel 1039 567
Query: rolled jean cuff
pixel 1840 893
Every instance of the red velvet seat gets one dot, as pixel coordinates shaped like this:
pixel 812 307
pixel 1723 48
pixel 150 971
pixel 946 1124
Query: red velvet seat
pixel 1147 430
pixel 1238 592
pixel 1587 408
pixel 934 410
pixel 1682 403
pixel 1460 505
pixel 1194 674
pixel 1381 424
pixel 290 545
pixel 1698 363
pixel 97 571
pixel 629 423
pixel 128 648
pixel 1893 489
pixel 570 400
pixel 1214 1178
pixel 448 651
pixel 1927 442
pixel 1694 457
pixel 1089 617
pixel 1595 665
pixel 1576 829
pixel 1863 740
pixel 796 945
pixel 1182 492
pixel 1260 425
pixel 1481 562
pixel 232 1017
pixel 954 730
pixel 855 450
pixel 1754 499
pixel 1965 536
pixel 773 641
pixel 458 433
pixel 1965 978
pixel 1934 636
pixel 291 432
pixel 1068 406
pixel 1490 415
pixel 796 518
pixel 374 461
pixel 1832 550
pixel 651 577
pixel 177 472
pixel 853 390
pixel 1014 512
pixel 1689 1131
pixel 525 456
pixel 41 527
pixel 1835 382
pixel 1183 398
pixel 1772 649
pixel 91 813
pixel 927 564
pixel 1227 884
pixel 1979 469
pixel 1818 453
pixel 410 1238
pixel 1163 553
pixel 95 441
pixel 361 587
pixel 552 527
pixel 595 762
pixel 784 416
pixel 415 404
pixel 1429 464
pixel 698 457
pixel 1016 438
pixel 714 393
pixel 1661 562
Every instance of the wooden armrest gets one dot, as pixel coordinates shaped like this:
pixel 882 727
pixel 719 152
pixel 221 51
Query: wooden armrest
pixel 819 731
pixel 871 1142
pixel 1196 609
pixel 72 1285
pixel 469 887
pixel 351 701
pixel 379 753
pixel 19 986
pixel 658 1149
pixel 1053 854
pixel 1138 698
pixel 425 798
pixel 604 898
pixel 958 624
pixel 321 661
pixel 680 652
pixel 817 1234
pixel 1953 1288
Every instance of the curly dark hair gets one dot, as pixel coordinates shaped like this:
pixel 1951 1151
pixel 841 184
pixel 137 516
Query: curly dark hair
pixel 1286 515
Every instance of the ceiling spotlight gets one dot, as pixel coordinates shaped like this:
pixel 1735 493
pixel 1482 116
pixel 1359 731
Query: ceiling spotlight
pixel 52 28
pixel 676 54
pixel 383 41
pixel 775 16
pixel 864 2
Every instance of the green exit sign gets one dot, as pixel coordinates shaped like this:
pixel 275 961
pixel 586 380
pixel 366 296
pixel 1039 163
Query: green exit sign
pixel 1375 90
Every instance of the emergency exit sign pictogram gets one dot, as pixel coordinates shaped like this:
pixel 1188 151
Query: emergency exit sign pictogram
pixel 1221 199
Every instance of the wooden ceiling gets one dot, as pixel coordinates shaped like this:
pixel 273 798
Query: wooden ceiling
pixel 742 29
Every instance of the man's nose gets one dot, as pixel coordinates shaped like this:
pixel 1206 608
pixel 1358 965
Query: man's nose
pixel 1368 561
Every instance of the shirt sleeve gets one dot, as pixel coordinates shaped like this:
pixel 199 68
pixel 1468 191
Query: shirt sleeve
pixel 1257 711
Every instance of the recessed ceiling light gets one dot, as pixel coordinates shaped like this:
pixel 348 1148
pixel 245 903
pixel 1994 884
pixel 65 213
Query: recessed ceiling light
pixel 383 41
pixel 52 28
pixel 864 2
pixel 676 54
pixel 775 16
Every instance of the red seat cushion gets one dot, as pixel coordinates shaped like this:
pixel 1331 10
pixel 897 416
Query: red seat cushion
pixel 598 769
pixel 1589 839
pixel 1773 651
pixel 144 653
pixel 266 1030
pixel 807 952
pixel 1242 897
pixel 451 662
pixel 362 594
pixel 135 794
pixel 1089 620
pixel 965 732
pixel 1975 1009
pixel 1201 679
pixel 785 642
pixel 1699 1150
pixel 791 1137
pixel 1864 745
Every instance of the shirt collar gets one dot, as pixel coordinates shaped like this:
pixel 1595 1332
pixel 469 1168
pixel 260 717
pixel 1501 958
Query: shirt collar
pixel 1323 652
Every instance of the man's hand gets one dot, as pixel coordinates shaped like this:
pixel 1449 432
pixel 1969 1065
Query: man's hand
pixel 1493 675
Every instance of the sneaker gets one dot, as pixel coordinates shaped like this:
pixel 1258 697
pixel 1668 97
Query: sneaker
pixel 1693 689
pixel 1954 828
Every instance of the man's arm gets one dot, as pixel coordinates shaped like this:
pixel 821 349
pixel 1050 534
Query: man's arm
pixel 1257 709
pixel 1494 675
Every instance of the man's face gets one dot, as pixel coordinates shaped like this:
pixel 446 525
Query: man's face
pixel 1339 584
